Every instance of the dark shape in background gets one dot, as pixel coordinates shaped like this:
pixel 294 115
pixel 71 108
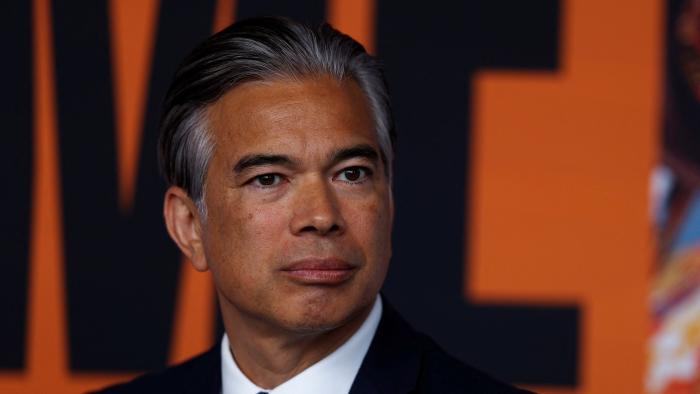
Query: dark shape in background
pixel 122 269
pixel 16 180
pixel 309 11
pixel 431 53
pixel 681 136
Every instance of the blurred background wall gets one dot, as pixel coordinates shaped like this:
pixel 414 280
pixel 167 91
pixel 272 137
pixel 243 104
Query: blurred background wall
pixel 525 237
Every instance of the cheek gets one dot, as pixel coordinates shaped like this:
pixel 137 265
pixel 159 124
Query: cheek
pixel 371 225
pixel 265 227
pixel 244 236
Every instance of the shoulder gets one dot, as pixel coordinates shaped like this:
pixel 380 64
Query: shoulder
pixel 200 374
pixel 443 373
pixel 404 360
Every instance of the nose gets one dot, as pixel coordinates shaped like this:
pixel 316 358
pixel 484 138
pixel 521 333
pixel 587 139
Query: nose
pixel 317 210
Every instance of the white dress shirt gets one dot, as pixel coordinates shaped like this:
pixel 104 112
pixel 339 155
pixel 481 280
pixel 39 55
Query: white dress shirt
pixel 332 374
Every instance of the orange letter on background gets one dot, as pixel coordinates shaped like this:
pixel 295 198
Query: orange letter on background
pixel 561 167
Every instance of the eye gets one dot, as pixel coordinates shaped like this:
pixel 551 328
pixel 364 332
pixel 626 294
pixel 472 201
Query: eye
pixel 267 180
pixel 354 174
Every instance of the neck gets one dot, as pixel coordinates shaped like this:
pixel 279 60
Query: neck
pixel 269 356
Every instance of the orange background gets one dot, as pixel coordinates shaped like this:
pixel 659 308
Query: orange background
pixel 565 156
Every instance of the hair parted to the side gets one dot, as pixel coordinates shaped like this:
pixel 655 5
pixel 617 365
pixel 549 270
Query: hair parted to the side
pixel 254 50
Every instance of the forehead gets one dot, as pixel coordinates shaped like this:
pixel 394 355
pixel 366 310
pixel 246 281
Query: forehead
pixel 308 114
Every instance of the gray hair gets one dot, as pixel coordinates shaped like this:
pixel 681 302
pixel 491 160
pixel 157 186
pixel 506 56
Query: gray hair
pixel 254 50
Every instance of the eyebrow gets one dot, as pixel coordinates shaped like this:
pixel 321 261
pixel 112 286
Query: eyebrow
pixel 362 150
pixel 259 160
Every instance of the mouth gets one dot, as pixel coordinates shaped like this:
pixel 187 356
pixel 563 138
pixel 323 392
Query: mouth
pixel 328 272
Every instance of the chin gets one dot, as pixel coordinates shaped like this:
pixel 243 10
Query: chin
pixel 324 314
pixel 313 326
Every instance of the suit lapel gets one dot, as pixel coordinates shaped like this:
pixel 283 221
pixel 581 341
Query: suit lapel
pixel 392 363
pixel 205 376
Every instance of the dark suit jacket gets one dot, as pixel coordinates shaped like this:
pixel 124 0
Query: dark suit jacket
pixel 399 361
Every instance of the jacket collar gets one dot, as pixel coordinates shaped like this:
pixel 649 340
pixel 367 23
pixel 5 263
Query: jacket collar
pixel 392 363
pixel 205 375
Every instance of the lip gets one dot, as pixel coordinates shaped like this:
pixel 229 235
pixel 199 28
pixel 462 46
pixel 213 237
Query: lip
pixel 329 272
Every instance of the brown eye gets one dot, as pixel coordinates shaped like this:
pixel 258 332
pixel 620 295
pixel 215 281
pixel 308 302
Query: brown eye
pixel 354 174
pixel 267 179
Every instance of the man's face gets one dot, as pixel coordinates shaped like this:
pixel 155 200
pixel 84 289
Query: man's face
pixel 298 229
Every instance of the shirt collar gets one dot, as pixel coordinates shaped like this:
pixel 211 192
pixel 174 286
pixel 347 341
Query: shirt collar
pixel 334 373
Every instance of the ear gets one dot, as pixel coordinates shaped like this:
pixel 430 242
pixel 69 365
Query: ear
pixel 184 226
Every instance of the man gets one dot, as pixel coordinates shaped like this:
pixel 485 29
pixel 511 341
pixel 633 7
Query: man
pixel 277 143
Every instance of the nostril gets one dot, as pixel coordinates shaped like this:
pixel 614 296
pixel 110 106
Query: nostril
pixel 307 229
pixel 320 229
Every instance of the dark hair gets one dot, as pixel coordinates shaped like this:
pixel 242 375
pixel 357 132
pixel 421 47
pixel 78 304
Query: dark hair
pixel 253 50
